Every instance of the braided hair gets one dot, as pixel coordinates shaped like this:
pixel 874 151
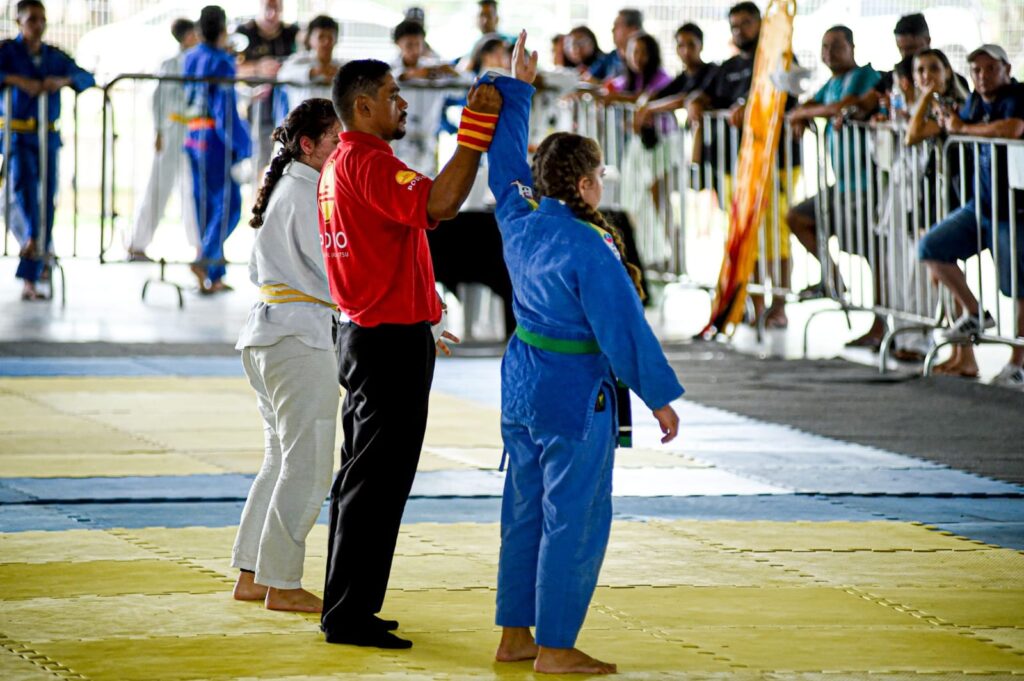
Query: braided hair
pixel 561 160
pixel 312 119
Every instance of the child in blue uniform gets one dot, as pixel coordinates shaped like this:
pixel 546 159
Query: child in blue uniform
pixel 580 325
pixel 30 67
pixel 217 139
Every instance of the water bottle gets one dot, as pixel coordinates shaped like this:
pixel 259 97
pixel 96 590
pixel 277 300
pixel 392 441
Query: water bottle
pixel 897 105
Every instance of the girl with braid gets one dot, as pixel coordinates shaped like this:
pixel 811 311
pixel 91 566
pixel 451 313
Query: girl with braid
pixel 580 326
pixel 288 353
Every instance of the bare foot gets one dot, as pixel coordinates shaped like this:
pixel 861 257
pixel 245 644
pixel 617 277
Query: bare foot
pixel 293 600
pixel 569 661
pixel 517 644
pixel 964 367
pixel 246 588
pixel 200 273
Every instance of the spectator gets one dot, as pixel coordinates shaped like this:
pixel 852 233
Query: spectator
pixel 217 140
pixel 270 42
pixel 582 49
pixel 644 75
pixel 32 68
pixel 559 58
pixel 316 65
pixel 727 91
pixel 169 160
pixel 912 36
pixel 938 86
pixel 695 76
pixel 996 110
pixel 492 54
pixel 487 21
pixel 627 23
pixel 418 147
pixel 837 53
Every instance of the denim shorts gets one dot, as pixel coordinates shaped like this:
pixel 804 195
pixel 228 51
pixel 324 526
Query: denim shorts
pixel 956 238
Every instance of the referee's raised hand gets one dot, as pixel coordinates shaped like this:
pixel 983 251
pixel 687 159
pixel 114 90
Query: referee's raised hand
pixel 484 98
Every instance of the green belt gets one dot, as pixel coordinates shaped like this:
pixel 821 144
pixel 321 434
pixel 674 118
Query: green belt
pixel 565 347
pixel 584 347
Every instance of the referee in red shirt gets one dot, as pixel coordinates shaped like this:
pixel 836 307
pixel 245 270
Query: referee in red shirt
pixel 374 217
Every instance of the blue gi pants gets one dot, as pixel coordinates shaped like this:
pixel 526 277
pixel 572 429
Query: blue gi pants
pixel 556 516
pixel 218 198
pixel 24 179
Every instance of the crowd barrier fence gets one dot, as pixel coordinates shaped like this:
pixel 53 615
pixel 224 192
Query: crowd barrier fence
pixel 874 199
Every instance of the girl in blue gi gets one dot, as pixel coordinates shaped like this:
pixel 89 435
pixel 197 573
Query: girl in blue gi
pixel 217 139
pixel 31 68
pixel 580 325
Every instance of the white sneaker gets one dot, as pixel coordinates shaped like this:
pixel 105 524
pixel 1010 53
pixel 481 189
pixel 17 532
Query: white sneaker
pixel 968 326
pixel 1012 376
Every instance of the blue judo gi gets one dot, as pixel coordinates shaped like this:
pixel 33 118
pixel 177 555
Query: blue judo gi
pixel 217 139
pixel 23 157
pixel 558 420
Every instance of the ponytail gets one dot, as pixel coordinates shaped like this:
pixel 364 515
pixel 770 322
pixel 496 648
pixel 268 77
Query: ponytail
pixel 312 119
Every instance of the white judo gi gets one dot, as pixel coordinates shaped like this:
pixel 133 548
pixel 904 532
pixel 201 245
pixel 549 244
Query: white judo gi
pixel 288 354
pixel 169 169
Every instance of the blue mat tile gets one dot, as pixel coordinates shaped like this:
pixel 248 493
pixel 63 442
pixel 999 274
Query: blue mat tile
pixel 120 366
pixel 938 510
pixel 1007 535
pixel 26 517
pixel 213 487
pixel 170 514
pixel 9 495
pixel 770 507
pixel 811 480
pixel 193 366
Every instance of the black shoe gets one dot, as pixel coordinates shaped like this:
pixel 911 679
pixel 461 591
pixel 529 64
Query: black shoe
pixel 386 625
pixel 371 637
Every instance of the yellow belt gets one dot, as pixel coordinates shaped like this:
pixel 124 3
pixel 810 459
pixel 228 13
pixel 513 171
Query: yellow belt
pixel 177 118
pixel 24 124
pixel 201 124
pixel 274 294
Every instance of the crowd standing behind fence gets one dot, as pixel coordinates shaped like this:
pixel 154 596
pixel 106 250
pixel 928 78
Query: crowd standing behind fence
pixel 876 189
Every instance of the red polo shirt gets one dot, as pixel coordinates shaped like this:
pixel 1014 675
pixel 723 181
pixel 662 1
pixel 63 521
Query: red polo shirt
pixel 373 233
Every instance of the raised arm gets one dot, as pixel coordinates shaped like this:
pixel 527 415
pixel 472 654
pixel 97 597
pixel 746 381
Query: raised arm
pixel 451 186
pixel 508 173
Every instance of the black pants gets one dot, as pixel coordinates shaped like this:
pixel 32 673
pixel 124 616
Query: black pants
pixel 386 372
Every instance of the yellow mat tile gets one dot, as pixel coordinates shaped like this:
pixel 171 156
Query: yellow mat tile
pixel 103 578
pixel 889 649
pixel 88 438
pixel 476 538
pixel 85 465
pixel 626 567
pixel 248 461
pixel 442 572
pixel 188 542
pixel 1007 638
pixel 488 458
pixel 454 422
pixel 963 606
pixel 68 545
pixel 110 386
pixel 990 568
pixel 825 536
pixel 685 606
pixel 438 611
pixel 135 615
pixel 17 411
pixel 17 668
pixel 224 439
pixel 430 460
pixel 146 420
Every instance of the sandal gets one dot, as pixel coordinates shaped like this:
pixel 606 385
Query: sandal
pixel 873 343
pixel 905 355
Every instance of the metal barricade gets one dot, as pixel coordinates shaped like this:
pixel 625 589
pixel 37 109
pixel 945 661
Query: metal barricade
pixel 999 229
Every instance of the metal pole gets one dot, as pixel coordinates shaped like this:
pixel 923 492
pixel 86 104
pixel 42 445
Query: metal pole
pixel 43 135
pixel 8 141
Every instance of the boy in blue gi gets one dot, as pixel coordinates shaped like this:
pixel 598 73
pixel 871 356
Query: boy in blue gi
pixel 30 68
pixel 579 321
pixel 217 139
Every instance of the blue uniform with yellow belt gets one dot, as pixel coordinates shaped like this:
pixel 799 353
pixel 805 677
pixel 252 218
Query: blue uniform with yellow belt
pixel 217 138
pixel 23 156
pixel 580 325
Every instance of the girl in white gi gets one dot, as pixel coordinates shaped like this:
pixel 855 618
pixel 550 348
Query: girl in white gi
pixel 288 353
pixel 579 322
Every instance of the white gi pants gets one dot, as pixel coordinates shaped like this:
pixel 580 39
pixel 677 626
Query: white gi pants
pixel 168 172
pixel 297 395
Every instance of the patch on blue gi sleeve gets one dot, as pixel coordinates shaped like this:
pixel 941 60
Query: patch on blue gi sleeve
pixel 610 243
pixel 524 190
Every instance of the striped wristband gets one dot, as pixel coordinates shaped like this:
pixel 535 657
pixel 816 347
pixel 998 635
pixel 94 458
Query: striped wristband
pixel 476 130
